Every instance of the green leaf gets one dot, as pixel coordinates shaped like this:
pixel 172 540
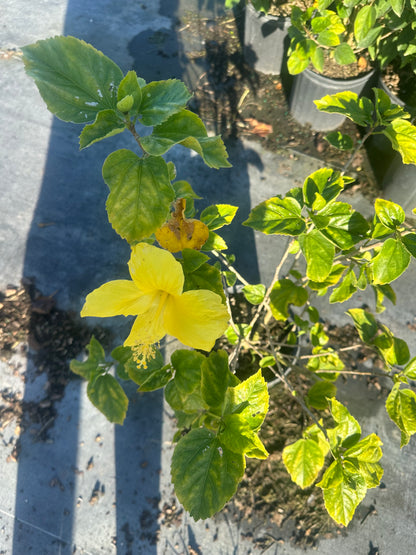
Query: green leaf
pixel 365 324
pixel 254 294
pixel 402 135
pixel 346 290
pixel 91 366
pixel 366 450
pixel 364 22
pixel 398 6
pixel 253 395
pixel 284 293
pixel 205 473
pixel 140 194
pixel 318 395
pixel 333 277
pixel 183 393
pixel 326 182
pixel 214 243
pixel 343 491
pixel 232 337
pixel 74 79
pixel 277 216
pixel 348 104
pixel 129 87
pixel 342 225
pixel 238 436
pixel 390 214
pixel 319 254
pixel 327 364
pixel 162 99
pixel 267 361
pixel 218 215
pixel 391 262
pixel 328 38
pixel 122 355
pixel 410 370
pixel 184 190
pixel 186 128
pixel 401 407
pixel 216 377
pixel 298 59
pixel 106 124
pixel 155 376
pixel 344 54
pixel 192 260
pixel 348 431
pixel 204 277
pixel 107 395
pixel 303 460
pixel 409 241
pixel 393 349
pixel 340 140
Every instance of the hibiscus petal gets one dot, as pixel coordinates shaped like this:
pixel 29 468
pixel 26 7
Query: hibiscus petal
pixel 118 297
pixel 196 318
pixel 153 269
pixel 148 328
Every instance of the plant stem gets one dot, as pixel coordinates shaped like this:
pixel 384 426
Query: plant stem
pixel 222 258
pixel 357 149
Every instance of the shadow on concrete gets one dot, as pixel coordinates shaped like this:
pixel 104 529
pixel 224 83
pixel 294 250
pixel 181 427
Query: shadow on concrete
pixel 71 249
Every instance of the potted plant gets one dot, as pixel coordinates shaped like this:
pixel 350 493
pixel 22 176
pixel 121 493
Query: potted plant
pixel 334 46
pixel 266 23
pixel 176 287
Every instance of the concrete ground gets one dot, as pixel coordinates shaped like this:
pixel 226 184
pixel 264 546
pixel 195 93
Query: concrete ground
pixel 53 227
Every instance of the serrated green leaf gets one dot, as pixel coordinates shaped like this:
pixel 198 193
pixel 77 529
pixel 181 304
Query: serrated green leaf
pixel 284 293
pixel 303 460
pixel 328 38
pixel 333 277
pixel 343 492
pixel 346 289
pixel 318 395
pixel 187 129
pixel 184 190
pixel 122 355
pixel 91 366
pixel 348 104
pixel 162 99
pixel 391 262
pixel 238 436
pixel 205 473
pixel 107 395
pixel 401 407
pixel 106 124
pixel 204 277
pixel 192 260
pixel 254 392
pixel 218 215
pixel 326 182
pixel 365 324
pixel 410 370
pixel 214 243
pixel 216 377
pixel 140 194
pixel 348 431
pixel 393 349
pixel 319 254
pixel 183 393
pixel 390 214
pixel 342 225
pixel 366 450
pixel 277 216
pixel 254 294
pixel 409 241
pixel 74 79
pixel 340 140
pixel 402 135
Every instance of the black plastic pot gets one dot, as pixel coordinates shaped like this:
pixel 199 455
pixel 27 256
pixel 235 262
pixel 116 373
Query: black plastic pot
pixel 264 40
pixel 309 86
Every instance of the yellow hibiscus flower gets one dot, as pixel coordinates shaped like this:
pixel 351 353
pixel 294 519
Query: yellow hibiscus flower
pixel 155 294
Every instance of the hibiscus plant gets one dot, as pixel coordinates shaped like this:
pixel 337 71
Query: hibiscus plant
pixel 181 277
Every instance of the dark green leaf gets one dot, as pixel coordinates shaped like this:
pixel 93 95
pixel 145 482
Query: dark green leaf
pixel 204 277
pixel 162 99
pixel 365 324
pixel 318 395
pixel 216 377
pixel 74 79
pixel 284 293
pixel 192 260
pixel 106 124
pixel 277 216
pixel 90 367
pixel 140 194
pixel 340 140
pixel 205 473
pixel 107 395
